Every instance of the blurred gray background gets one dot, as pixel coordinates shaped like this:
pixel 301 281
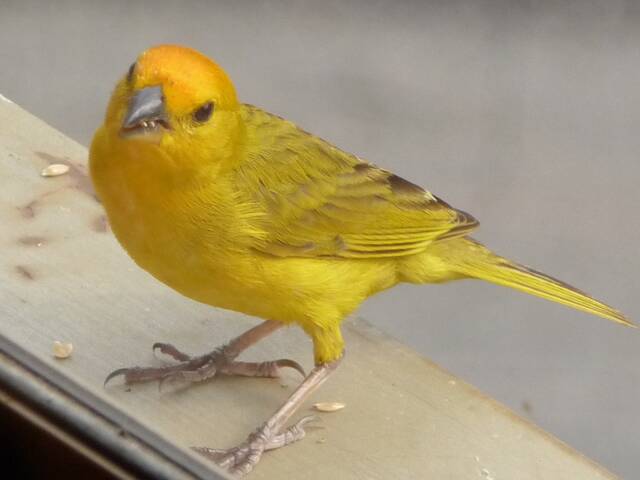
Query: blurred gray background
pixel 525 114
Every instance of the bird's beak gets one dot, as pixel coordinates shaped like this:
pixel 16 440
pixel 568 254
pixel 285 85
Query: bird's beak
pixel 146 113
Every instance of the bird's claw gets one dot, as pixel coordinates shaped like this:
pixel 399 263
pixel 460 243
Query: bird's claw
pixel 173 352
pixel 269 369
pixel 240 460
pixel 185 376
pixel 140 375
pixel 116 373
pixel 197 369
pixel 285 362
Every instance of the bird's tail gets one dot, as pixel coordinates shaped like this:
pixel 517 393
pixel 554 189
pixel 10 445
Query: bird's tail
pixel 471 259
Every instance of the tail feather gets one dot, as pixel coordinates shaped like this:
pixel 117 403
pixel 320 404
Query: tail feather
pixel 481 263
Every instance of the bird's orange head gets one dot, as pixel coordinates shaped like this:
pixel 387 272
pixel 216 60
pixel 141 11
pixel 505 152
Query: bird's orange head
pixel 176 100
pixel 188 79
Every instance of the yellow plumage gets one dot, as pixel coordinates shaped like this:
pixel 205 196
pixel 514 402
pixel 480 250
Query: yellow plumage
pixel 246 211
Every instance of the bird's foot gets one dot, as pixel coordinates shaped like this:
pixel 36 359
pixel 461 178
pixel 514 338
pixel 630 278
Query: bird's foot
pixel 240 460
pixel 198 368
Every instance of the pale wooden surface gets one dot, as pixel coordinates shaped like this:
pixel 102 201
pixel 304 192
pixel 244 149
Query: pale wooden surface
pixel 64 277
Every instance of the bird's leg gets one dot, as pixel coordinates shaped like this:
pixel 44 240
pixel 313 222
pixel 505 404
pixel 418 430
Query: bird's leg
pixel 272 434
pixel 220 361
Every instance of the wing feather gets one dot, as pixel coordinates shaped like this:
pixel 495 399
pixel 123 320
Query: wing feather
pixel 321 201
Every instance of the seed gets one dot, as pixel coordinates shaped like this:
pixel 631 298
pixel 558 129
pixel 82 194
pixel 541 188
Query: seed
pixel 62 350
pixel 329 406
pixel 54 170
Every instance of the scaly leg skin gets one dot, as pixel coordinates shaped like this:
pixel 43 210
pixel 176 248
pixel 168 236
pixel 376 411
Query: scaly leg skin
pixel 220 361
pixel 272 434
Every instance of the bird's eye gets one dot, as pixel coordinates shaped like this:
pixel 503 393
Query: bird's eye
pixel 130 72
pixel 203 114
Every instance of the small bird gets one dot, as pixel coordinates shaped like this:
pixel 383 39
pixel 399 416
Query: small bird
pixel 240 209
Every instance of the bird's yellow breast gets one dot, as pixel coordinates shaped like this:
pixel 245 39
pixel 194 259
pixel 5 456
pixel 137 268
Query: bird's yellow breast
pixel 196 240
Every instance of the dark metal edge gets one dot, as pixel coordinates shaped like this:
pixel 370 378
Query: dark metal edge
pixel 107 431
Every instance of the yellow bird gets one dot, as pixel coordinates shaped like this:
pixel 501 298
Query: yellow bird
pixel 240 209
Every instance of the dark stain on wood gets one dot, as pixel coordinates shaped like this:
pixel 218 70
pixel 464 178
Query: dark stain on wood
pixel 100 224
pixel 47 157
pixel 77 172
pixel 25 273
pixel 28 211
pixel 32 241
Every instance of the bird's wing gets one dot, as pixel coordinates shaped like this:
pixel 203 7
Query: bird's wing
pixel 321 201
